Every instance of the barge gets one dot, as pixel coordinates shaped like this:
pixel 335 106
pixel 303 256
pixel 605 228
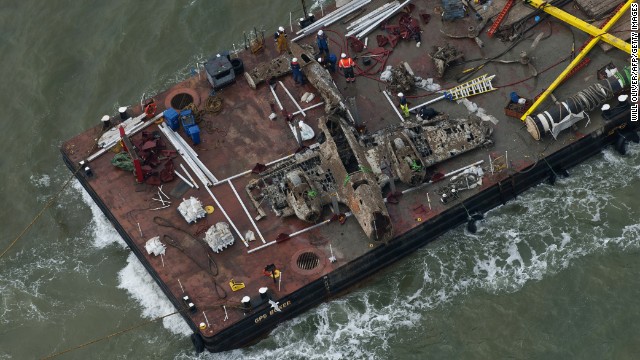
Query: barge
pixel 250 198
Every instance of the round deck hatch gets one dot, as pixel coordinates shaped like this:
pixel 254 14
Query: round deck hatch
pixel 308 260
pixel 181 100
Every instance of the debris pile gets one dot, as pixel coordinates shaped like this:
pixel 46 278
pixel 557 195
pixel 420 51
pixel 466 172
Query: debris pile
pixel 401 80
pixel 426 84
pixel 219 237
pixel 468 179
pixel 443 56
pixel 191 209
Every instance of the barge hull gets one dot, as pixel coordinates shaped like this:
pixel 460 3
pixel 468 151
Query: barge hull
pixel 264 319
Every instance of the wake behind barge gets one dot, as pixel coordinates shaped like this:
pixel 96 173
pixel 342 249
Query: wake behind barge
pixel 246 217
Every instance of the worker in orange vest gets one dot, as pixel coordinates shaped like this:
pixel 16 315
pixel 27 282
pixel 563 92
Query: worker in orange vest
pixel 347 64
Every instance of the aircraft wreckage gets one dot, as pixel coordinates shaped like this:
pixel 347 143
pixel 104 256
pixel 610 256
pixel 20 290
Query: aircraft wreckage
pixel 351 168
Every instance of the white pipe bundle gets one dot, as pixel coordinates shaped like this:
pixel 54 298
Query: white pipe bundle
pixel 331 18
pixel 368 26
pixel 368 17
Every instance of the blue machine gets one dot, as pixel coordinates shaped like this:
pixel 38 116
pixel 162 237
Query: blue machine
pixel 190 127
pixel 171 118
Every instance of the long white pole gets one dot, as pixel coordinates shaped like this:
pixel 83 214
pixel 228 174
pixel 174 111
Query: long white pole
pixel 393 105
pixel 189 175
pixel 275 96
pixel 246 211
pixel 227 217
pixel 293 99
pixel 309 108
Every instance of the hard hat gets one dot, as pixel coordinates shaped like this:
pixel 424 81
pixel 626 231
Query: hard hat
pixel 281 29
pixel 343 55
pixel 294 60
pixel 400 94
pixel 319 59
pixel 605 107
pixel 623 97
pixel 320 32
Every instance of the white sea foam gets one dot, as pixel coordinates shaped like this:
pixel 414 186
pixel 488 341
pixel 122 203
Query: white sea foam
pixel 135 279
pixel 515 245
pixel 41 181
pixel 104 233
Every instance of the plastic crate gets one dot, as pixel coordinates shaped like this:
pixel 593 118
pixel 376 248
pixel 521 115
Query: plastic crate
pixel 516 110
pixel 171 118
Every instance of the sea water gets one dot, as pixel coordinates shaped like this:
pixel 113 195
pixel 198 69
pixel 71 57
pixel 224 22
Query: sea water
pixel 553 274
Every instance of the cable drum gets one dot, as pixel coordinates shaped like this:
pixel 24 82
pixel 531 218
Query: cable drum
pixel 573 109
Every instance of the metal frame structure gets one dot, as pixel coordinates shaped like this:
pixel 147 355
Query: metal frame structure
pixel 597 33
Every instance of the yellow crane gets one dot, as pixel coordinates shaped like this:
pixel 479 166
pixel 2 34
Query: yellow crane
pixel 597 33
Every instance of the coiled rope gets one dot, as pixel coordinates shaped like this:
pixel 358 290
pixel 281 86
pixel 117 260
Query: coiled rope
pixel 213 267
pixel 592 97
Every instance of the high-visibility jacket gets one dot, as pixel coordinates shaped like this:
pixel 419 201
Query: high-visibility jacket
pixel 346 63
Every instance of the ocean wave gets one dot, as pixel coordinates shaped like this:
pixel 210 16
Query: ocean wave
pixel 515 245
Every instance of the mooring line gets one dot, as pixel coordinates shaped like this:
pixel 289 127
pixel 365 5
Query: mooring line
pixel 110 335
pixel 48 204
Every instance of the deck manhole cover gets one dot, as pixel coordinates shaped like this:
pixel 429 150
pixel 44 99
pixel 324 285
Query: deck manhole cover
pixel 308 261
pixel 181 100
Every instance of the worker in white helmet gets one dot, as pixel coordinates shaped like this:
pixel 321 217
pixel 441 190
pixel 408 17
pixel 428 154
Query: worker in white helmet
pixel 323 43
pixel 280 38
pixel 404 105
pixel 297 72
pixel 347 64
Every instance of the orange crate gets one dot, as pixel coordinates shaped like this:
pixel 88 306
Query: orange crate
pixel 517 110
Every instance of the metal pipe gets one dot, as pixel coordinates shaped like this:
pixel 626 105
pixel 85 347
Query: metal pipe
pixel 296 233
pixel 309 108
pixel 189 175
pixel 427 103
pixel 130 131
pixel 597 33
pixel 292 99
pixel 249 171
pixel 369 16
pixel 576 60
pixel 393 105
pixel 246 211
pixel 331 18
pixel 378 22
pixel 183 179
pixel 194 156
pixel 227 217
pixel 276 97
pixel 171 136
pixel 369 22
pixel 338 13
